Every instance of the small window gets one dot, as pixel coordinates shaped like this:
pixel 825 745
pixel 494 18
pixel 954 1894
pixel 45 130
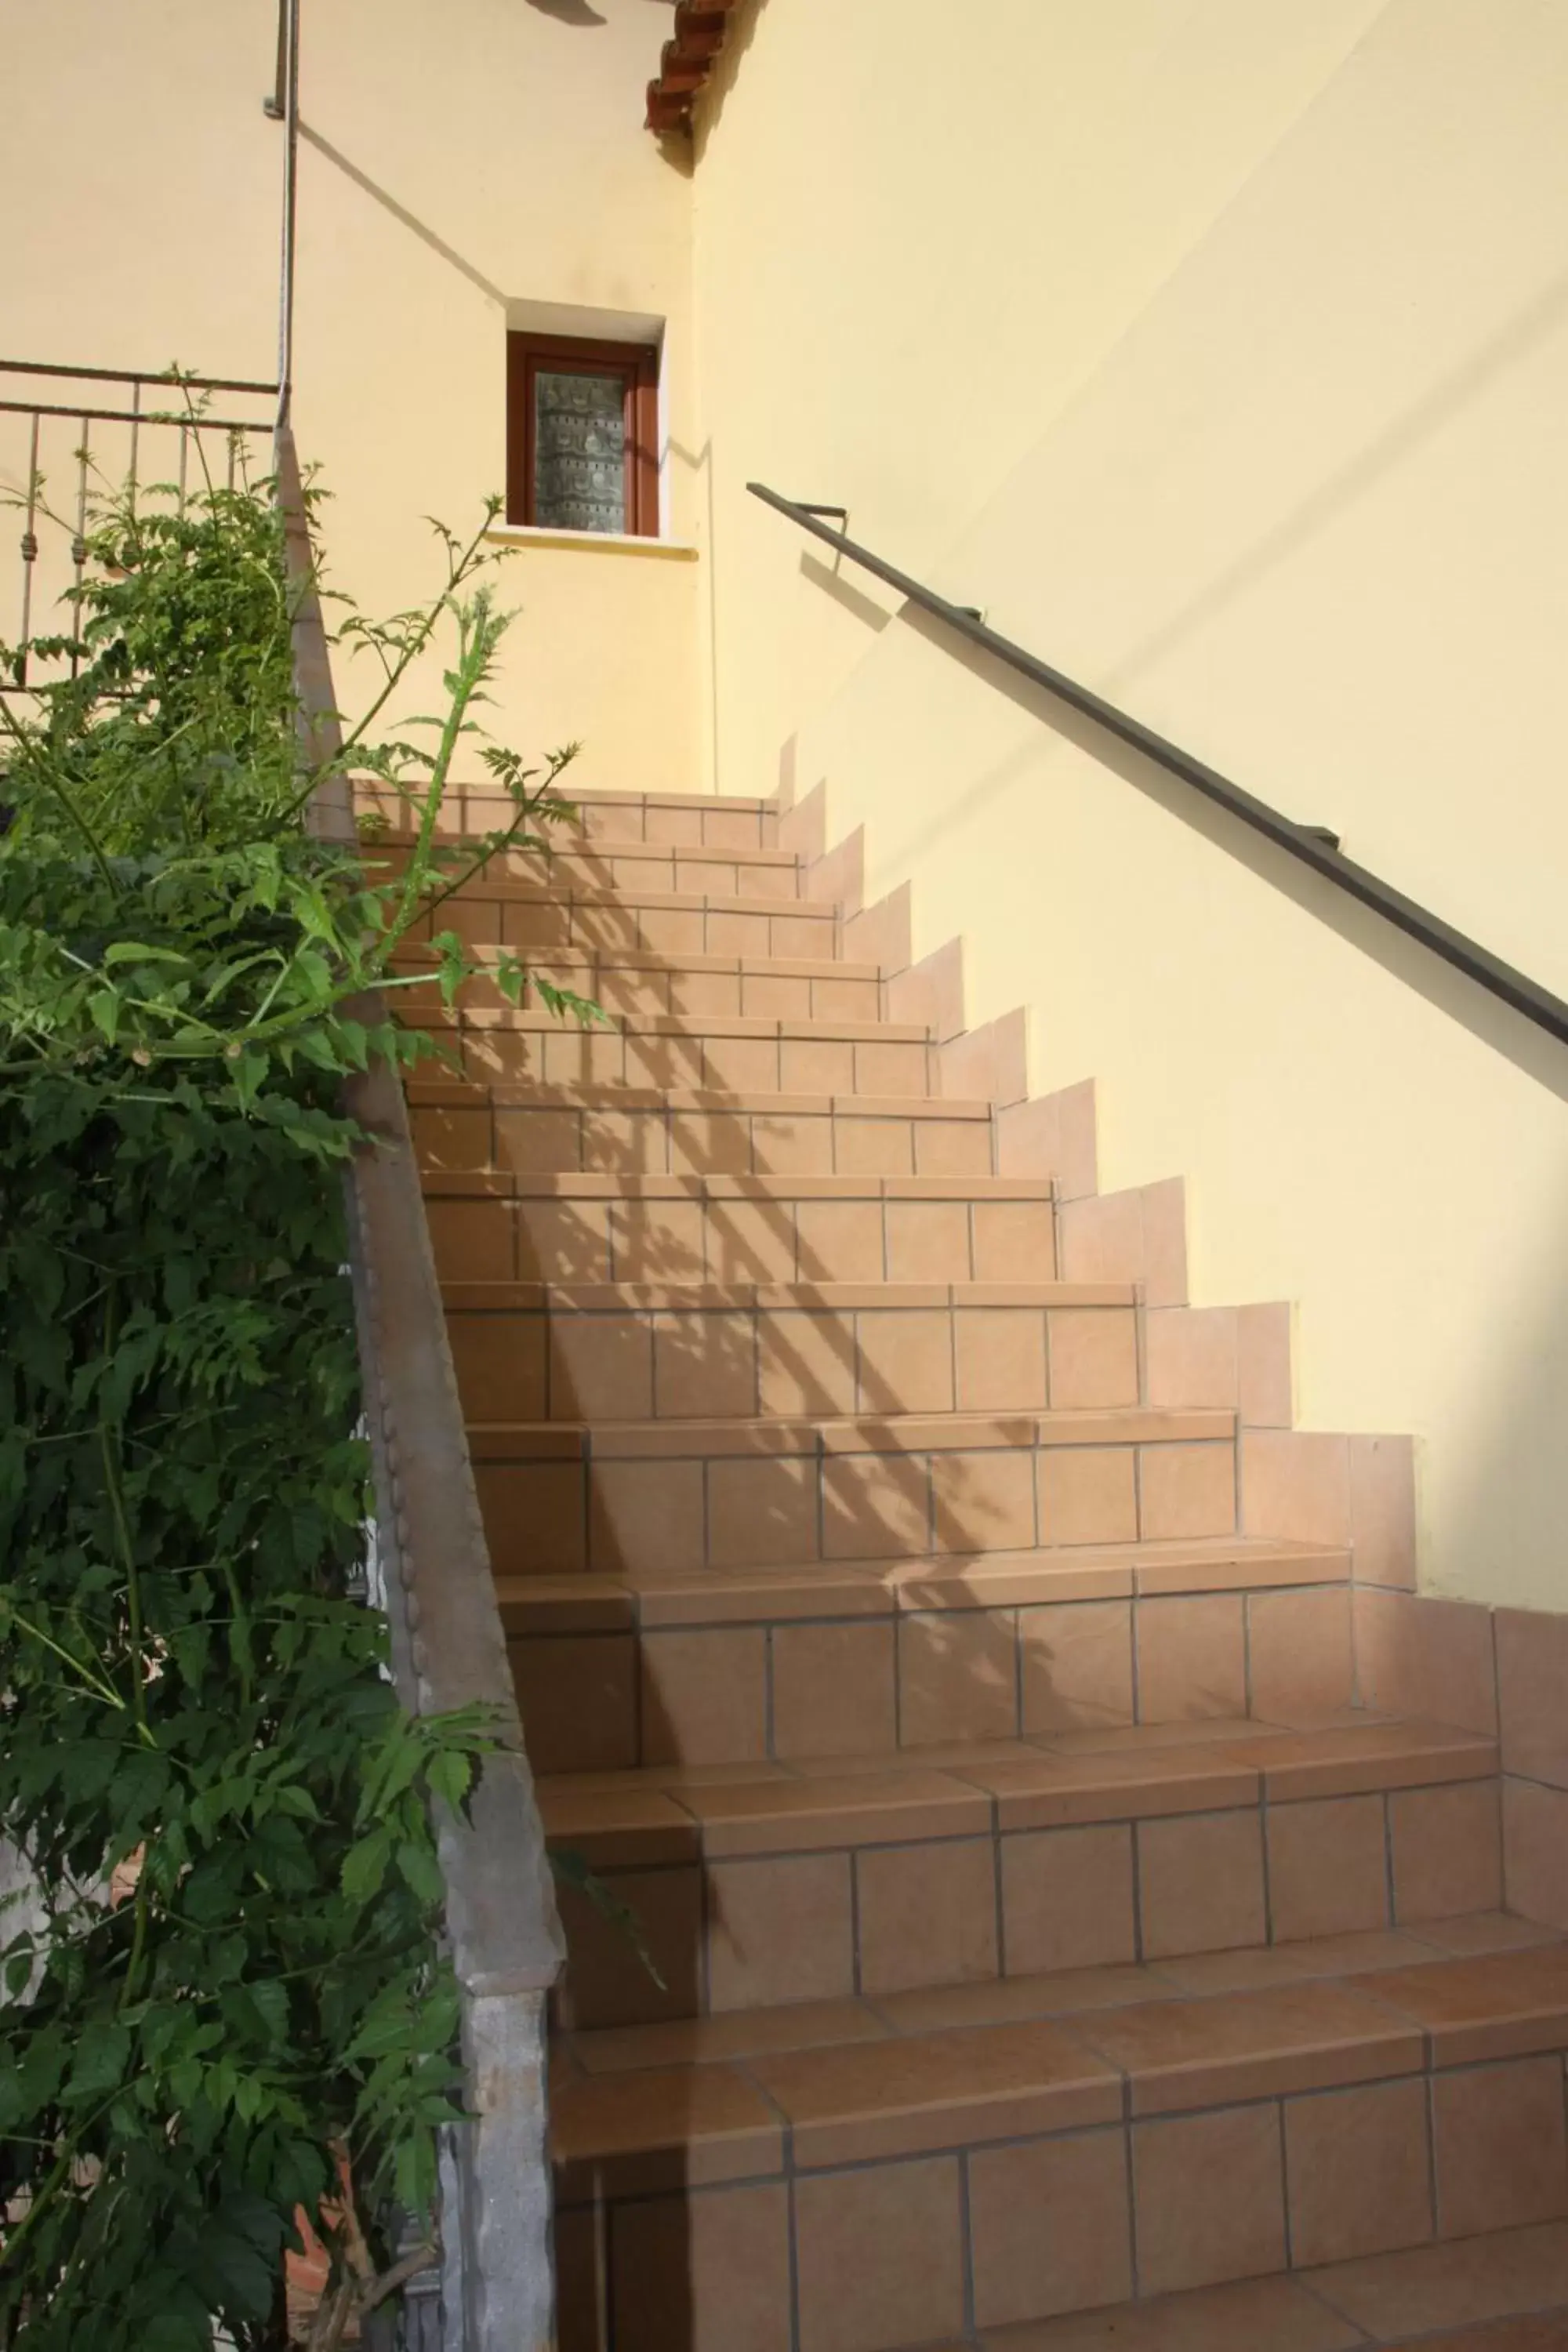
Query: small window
pixel 582 439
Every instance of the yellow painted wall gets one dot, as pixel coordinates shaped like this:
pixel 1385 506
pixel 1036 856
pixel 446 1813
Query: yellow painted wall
pixel 1219 349
pixel 459 160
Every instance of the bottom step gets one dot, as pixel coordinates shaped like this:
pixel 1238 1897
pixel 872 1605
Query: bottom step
pixel 898 2177
pixel 1506 2292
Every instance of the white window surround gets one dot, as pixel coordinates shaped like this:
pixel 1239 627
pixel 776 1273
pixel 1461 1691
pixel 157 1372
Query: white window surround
pixel 590 542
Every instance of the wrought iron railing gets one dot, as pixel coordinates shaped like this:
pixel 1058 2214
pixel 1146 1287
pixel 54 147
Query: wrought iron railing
pixel 73 434
pixel 491 2289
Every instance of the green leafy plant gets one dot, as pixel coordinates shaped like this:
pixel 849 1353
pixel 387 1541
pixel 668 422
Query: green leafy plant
pixel 221 1996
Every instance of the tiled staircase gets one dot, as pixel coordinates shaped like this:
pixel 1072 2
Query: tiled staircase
pixel 1040 1926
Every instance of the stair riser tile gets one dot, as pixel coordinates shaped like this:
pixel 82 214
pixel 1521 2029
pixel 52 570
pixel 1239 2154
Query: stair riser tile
pixel 780 1240
pixel 610 866
pixel 656 1364
pixel 722 987
pixel 750 928
pixel 559 1518
pixel 806 1687
pixel 551 1138
pixel 570 1056
pixel 1019 2227
pixel 887 1912
pixel 704 822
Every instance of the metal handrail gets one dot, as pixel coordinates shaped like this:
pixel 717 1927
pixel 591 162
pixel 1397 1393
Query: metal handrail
pixel 285 107
pixel 449 1645
pixel 1310 845
pixel 134 375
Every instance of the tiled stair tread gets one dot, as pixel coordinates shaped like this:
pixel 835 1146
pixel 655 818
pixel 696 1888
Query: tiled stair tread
pixel 868 1433
pixel 564 894
pixel 1506 2292
pixel 907 2091
pixel 616 1599
pixel 595 795
pixel 573 865
pixel 914 1794
pixel 591 1184
pixel 1137 1768
pixel 731 1298
pixel 566 841
pixel 1454 2286
pixel 858 2102
pixel 622 956
pixel 623 796
pixel 523 1093
pixel 761 1027
pixel 1066 1993
pixel 952 1756
pixel 1499 2005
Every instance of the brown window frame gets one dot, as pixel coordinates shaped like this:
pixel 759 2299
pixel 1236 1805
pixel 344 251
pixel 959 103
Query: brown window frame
pixel 637 365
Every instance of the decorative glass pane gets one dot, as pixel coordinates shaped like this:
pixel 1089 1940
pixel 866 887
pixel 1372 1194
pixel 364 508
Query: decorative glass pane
pixel 580 451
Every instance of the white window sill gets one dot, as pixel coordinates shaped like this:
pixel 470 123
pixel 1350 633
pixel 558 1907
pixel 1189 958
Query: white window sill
pixel 591 543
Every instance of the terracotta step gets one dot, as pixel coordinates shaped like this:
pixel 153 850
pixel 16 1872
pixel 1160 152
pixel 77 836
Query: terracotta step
pixel 885 2174
pixel 756 1494
pixel 715 1052
pixel 801 1663
pixel 635 980
pixel 768 1883
pixel 634 1130
pixel 589 1227
pixel 1484 2293
pixel 572 864
pixel 627 1351
pixel 691 819
pixel 533 915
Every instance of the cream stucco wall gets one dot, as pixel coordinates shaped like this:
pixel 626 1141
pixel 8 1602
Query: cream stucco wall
pixel 1219 350
pixel 458 162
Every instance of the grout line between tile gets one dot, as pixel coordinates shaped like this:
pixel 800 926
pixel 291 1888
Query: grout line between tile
pixel 1134 1645
pixel 1432 2198
pixel 707 1462
pixel 769 1747
pixel 1133 2257
pixel 1139 1954
pixel 998 1895
pixel 1265 1854
pixel 1247 1683
pixel 1391 1896
pixel 791 2224
pixel 965 2243
pixel 603 2214
pixel 898 1683
pixel 856 1983
pixel 1279 2107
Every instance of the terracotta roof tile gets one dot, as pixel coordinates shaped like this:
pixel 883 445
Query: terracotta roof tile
pixel 688 60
